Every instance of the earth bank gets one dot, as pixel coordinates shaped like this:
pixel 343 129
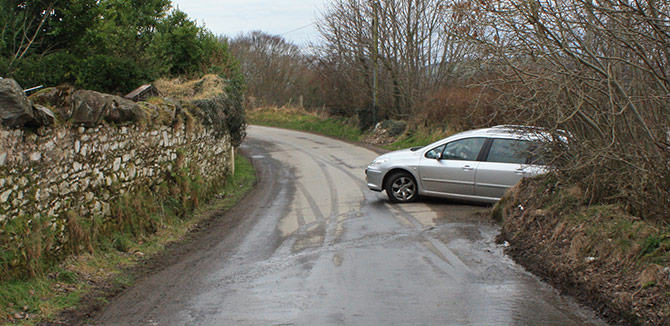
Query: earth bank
pixel 609 260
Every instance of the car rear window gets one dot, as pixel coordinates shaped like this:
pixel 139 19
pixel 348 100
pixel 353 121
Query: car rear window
pixel 511 151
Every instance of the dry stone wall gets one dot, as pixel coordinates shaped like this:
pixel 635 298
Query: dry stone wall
pixel 85 170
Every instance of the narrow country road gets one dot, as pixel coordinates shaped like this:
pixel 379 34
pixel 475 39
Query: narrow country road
pixel 315 247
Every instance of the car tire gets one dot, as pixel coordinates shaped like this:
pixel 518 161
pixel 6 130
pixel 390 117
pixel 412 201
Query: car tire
pixel 401 187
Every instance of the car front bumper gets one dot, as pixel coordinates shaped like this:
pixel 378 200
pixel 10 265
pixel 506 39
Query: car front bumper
pixel 374 178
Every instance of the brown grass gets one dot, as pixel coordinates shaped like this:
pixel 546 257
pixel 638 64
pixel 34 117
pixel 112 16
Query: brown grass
pixel 78 237
pixel 207 87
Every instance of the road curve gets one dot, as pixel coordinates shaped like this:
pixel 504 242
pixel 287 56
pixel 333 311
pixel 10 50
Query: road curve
pixel 316 247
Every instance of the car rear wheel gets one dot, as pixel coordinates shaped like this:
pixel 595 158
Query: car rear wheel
pixel 401 187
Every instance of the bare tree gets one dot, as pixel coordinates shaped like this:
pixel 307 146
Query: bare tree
pixel 598 69
pixel 276 71
pixel 418 51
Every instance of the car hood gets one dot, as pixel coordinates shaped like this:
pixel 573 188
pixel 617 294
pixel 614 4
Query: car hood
pixel 407 152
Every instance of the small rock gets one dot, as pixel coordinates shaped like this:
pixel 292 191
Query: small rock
pixel 117 164
pixel 5 196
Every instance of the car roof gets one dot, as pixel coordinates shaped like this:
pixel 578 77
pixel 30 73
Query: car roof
pixel 503 131
pixel 530 133
pixel 507 131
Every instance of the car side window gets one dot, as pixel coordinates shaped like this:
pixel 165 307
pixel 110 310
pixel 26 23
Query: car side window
pixel 510 151
pixel 464 149
pixel 434 152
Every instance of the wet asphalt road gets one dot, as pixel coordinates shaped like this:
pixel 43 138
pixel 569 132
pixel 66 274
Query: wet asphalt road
pixel 316 247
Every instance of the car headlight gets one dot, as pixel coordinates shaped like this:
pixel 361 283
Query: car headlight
pixel 379 161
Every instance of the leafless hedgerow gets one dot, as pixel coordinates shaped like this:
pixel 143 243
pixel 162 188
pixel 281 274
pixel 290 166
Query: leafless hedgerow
pixel 597 69
pixel 276 71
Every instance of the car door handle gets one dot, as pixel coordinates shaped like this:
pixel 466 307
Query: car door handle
pixel 467 168
pixel 519 171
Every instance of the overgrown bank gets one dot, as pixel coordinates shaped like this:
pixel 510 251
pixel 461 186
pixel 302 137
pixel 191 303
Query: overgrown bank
pixel 607 258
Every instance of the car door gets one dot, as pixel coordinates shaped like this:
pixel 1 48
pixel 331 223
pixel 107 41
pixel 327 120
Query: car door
pixel 506 163
pixel 450 168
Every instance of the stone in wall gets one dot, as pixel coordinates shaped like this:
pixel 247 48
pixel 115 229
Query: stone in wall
pixel 58 99
pixel 15 108
pixel 89 108
pixel 43 117
pixel 123 110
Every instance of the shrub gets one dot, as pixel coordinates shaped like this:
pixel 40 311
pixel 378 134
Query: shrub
pixel 236 119
pixel 458 107
pixel 50 70
pixel 109 74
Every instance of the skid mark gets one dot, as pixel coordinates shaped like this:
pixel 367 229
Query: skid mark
pixel 450 256
pixel 334 226
pixel 295 219
pixel 334 200
pixel 312 203
pixel 435 251
pixel 403 217
pixel 447 261
pixel 340 162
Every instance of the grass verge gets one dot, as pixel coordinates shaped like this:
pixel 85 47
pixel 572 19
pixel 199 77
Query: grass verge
pixel 342 128
pixel 30 302
pixel 298 119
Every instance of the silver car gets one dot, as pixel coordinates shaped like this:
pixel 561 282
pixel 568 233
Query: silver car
pixel 477 165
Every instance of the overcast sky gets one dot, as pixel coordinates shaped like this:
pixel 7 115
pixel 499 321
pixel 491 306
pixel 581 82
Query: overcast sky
pixel 278 17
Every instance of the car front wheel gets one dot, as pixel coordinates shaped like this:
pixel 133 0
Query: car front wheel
pixel 401 187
